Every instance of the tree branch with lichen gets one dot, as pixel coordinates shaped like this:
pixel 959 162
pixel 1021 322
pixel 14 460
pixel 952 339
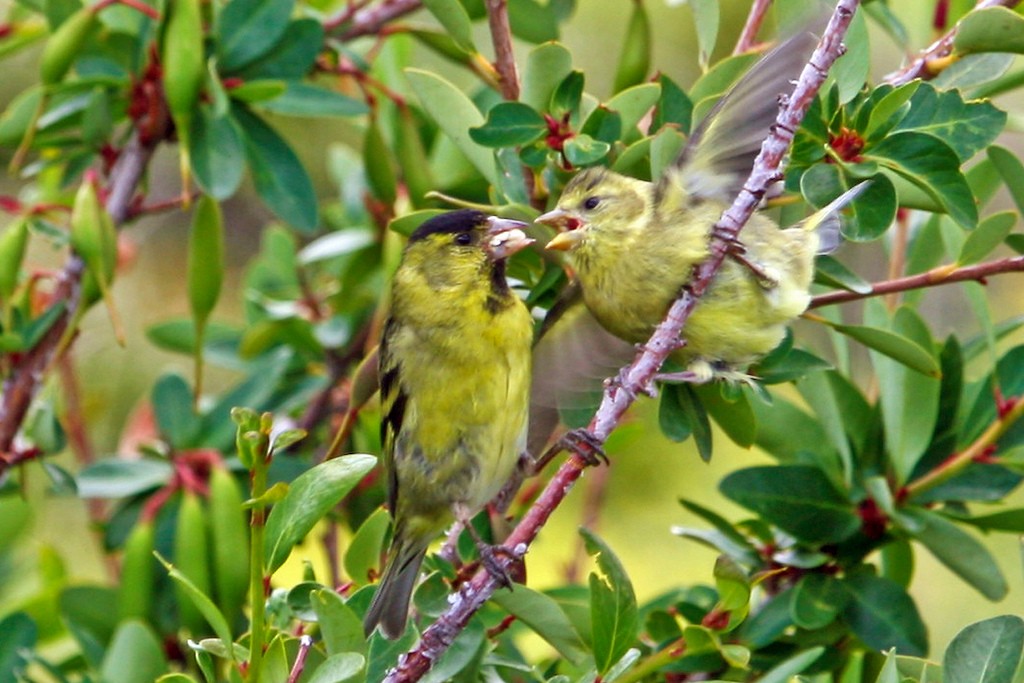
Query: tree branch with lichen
pixel 638 376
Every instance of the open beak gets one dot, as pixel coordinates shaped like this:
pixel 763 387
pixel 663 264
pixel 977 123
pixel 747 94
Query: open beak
pixel 569 236
pixel 505 237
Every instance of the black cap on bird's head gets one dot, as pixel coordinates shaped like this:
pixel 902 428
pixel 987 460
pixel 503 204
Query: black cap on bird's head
pixel 498 237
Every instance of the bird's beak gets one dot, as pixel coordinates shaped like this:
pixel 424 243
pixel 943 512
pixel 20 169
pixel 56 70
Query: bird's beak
pixel 569 225
pixel 505 237
pixel 556 218
pixel 565 241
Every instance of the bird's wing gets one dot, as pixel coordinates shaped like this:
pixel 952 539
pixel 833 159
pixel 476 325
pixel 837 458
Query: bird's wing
pixel 393 402
pixel 573 356
pixel 721 150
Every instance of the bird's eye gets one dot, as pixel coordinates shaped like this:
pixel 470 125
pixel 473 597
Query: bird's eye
pixel 463 238
pixel 591 203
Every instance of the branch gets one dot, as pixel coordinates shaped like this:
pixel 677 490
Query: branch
pixel 368 21
pixel 926 65
pixel 639 375
pixel 748 37
pixel 24 382
pixel 936 276
pixel 504 57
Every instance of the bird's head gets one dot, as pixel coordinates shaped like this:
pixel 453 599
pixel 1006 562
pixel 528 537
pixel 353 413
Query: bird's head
pixel 595 200
pixel 468 235
pixel 455 263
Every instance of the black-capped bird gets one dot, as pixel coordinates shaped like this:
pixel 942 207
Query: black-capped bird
pixel 633 244
pixel 454 382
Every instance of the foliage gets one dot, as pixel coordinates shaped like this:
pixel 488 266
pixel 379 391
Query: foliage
pixel 228 481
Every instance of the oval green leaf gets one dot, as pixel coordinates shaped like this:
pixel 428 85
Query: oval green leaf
pixel 309 498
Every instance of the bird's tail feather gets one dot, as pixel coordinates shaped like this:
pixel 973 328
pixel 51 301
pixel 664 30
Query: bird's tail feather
pixel 390 605
pixel 827 222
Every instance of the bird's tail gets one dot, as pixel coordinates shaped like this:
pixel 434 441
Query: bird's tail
pixel 827 222
pixel 390 605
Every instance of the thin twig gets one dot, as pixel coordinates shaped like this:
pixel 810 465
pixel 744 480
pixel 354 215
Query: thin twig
pixel 748 37
pixel 504 57
pixel 936 276
pixel 924 65
pixel 639 375
pixel 369 20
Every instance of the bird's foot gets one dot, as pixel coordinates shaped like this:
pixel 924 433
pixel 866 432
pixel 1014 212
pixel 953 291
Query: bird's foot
pixel 584 444
pixel 737 251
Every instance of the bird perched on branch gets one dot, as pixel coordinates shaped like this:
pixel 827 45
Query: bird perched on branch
pixel 633 245
pixel 454 381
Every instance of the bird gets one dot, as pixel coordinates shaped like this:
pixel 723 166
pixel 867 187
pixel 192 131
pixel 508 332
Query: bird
pixel 454 375
pixel 632 246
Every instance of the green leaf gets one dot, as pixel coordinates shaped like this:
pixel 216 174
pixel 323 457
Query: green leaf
pixel 790 667
pixel 633 104
pixel 378 162
pixel 309 498
pixel 455 114
pixel 256 91
pixel 959 551
pixel 280 178
pixel 890 110
pixel 985 652
pixel 363 552
pixel 1012 171
pixel 909 400
pixel 674 107
pixel 453 17
pixel 881 613
pixel 533 21
pixel 817 600
pixel 135 654
pixel 202 602
pixel 735 417
pixel 339 668
pixel 303 99
pixel 681 414
pixel 635 58
pixel 566 97
pixel 509 124
pixel 545 617
pixel 799 499
pixel 730 541
pixel 989 234
pixel 583 150
pixel 173 409
pixel 17 645
pixel 895 346
pixel 705 19
pixel 933 167
pixel 546 67
pixel 994 29
pixel 248 29
pixel 293 56
pixel 461 658
pixel 217 153
pixel 614 618
pixel 967 127
pixel 118 478
pixel 340 627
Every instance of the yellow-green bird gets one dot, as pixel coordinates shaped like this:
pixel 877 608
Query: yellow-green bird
pixel 454 382
pixel 633 244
